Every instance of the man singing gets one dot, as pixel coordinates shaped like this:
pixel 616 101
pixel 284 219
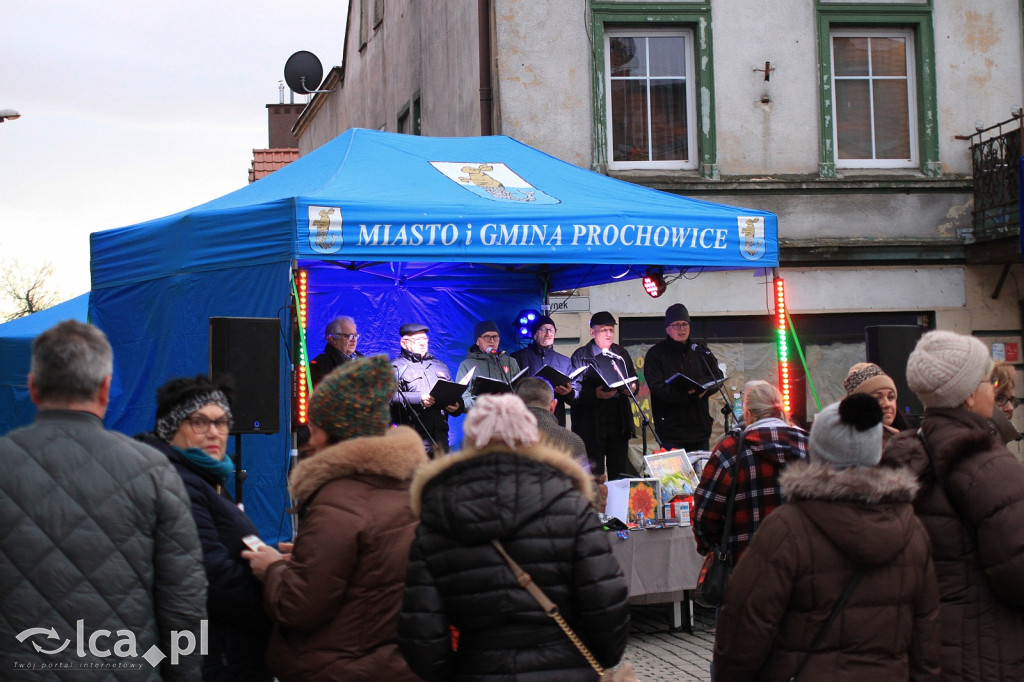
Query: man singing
pixel 417 372
pixel 603 416
pixel 487 359
pixel 341 337
pixel 542 353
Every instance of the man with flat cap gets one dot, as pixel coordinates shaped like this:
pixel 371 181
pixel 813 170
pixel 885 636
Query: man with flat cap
pixel 540 354
pixel 417 371
pixel 603 416
pixel 681 416
pixel 486 358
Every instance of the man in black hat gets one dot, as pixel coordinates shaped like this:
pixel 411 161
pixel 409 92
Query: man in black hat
pixel 486 358
pixel 417 371
pixel 602 415
pixel 681 416
pixel 541 353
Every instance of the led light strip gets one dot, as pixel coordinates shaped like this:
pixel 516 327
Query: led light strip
pixel 782 335
pixel 302 379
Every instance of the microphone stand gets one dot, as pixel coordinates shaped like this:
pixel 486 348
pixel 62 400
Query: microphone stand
pixel 501 370
pixel 727 408
pixel 411 411
pixel 644 423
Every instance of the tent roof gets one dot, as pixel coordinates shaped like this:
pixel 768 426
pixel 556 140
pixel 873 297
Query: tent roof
pixel 374 197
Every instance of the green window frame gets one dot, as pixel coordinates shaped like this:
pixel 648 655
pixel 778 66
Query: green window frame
pixel 695 16
pixel 918 20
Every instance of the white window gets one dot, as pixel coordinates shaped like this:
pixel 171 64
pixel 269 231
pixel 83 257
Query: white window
pixel 874 98
pixel 650 99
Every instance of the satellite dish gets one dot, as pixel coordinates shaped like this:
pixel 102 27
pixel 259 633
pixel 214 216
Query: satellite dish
pixel 303 73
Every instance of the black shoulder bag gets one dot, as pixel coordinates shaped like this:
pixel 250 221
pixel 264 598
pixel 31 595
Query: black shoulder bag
pixel 718 564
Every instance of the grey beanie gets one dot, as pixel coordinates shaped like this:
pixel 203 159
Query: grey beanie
pixel 945 368
pixel 848 433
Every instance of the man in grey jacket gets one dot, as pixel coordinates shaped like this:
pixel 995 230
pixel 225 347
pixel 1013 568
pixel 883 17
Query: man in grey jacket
pixel 102 568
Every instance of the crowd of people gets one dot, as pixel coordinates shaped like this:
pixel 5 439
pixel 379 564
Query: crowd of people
pixel 864 550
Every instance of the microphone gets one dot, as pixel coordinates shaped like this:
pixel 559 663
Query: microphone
pixel 610 354
pixel 495 351
pixel 695 347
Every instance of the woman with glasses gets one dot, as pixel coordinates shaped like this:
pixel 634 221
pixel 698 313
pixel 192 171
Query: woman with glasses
pixel 1004 378
pixel 193 418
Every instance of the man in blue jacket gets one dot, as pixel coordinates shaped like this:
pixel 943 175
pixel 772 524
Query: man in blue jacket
pixel 541 353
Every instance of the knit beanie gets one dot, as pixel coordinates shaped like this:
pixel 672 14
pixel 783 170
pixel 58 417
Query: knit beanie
pixel 867 377
pixel 500 418
pixel 945 368
pixel 540 322
pixel 484 327
pixel 353 400
pixel 179 398
pixel 676 312
pixel 848 433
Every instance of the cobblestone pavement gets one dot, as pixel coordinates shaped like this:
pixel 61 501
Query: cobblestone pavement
pixel 661 654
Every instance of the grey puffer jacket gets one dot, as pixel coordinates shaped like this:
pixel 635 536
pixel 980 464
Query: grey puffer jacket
pixel 97 529
pixel 535 501
pixel 981 584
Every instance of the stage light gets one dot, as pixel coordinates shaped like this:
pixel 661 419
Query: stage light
pixel 654 282
pixel 781 330
pixel 524 323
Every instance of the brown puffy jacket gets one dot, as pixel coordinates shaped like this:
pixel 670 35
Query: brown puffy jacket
pixel 335 603
pixel 798 565
pixel 982 587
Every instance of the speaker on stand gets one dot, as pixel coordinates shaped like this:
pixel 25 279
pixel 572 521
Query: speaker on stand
pixel 889 346
pixel 245 352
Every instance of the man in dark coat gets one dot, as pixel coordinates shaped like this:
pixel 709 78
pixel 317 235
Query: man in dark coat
pixel 540 401
pixel 418 371
pixel 540 354
pixel 602 415
pixel 341 336
pixel 681 416
pixel 97 531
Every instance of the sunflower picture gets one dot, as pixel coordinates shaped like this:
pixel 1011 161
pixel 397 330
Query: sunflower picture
pixel 643 502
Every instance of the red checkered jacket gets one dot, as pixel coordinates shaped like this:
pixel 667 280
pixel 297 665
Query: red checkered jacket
pixel 769 444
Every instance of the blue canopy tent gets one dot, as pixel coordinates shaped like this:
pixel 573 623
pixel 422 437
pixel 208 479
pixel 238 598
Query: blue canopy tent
pixel 16 336
pixel 390 228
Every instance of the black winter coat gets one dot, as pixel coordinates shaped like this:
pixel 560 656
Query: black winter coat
pixel 592 417
pixel 239 627
pixel 535 501
pixel 534 358
pixel 679 416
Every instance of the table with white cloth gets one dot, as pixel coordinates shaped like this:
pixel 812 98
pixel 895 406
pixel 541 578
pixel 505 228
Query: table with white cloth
pixel 661 566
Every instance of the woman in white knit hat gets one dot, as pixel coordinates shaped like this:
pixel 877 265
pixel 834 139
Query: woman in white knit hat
pixel 972 503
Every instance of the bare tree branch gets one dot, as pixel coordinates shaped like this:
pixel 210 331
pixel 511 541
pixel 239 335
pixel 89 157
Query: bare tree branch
pixel 29 290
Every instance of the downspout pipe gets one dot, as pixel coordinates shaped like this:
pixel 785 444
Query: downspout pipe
pixel 486 93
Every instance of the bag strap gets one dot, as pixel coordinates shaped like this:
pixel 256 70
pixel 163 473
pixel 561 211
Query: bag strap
pixel 723 544
pixel 972 532
pixel 550 608
pixel 854 579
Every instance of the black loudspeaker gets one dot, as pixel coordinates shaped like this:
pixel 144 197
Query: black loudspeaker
pixel 246 351
pixel 889 347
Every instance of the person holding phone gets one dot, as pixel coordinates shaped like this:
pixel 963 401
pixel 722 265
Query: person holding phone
pixel 193 418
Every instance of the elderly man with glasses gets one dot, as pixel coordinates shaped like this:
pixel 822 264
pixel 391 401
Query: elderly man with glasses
pixel 341 336
pixel 681 415
pixel 418 372
pixel 540 354
pixel 487 359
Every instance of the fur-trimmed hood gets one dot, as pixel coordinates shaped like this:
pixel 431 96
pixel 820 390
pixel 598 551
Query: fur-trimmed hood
pixel 866 512
pixel 475 495
pixel 396 454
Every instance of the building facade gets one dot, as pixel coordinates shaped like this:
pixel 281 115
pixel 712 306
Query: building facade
pixel 852 121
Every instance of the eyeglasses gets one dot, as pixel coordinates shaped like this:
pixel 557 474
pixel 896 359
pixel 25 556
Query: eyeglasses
pixel 546 330
pixel 490 337
pixel 679 326
pixel 201 424
pixel 1001 400
pixel 347 337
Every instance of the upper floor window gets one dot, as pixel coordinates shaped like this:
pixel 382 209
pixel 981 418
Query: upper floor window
pixel 650 99
pixel 874 98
